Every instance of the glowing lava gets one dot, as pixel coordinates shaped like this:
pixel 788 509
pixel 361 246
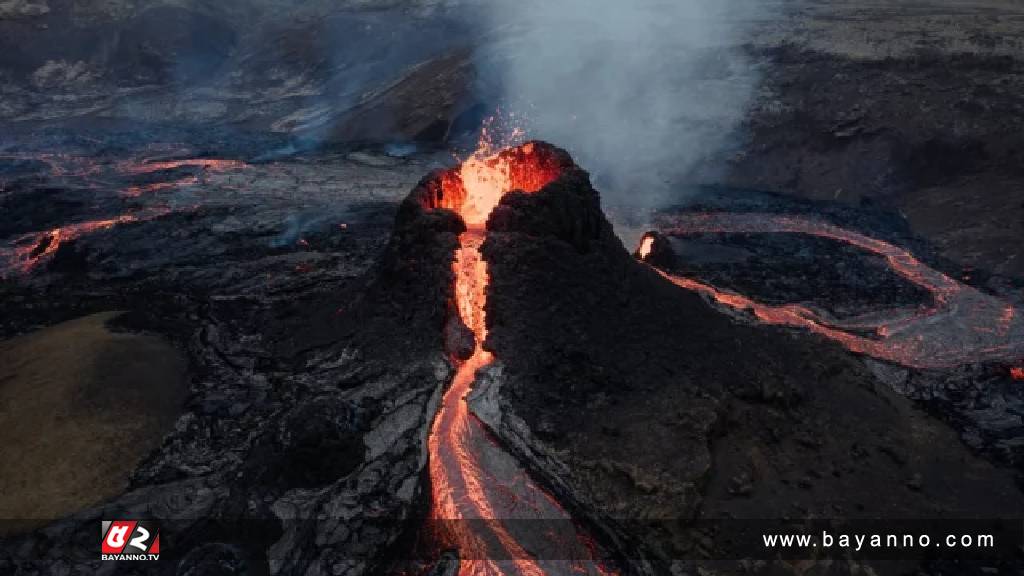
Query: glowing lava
pixel 962 325
pixel 645 247
pixel 1017 373
pixel 472 478
pixel 211 164
pixel 136 191
pixel 29 250
pixel 25 252
pixel 98 173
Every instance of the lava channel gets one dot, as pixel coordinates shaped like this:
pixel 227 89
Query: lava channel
pixel 205 165
pixel 962 325
pixel 484 503
pixel 29 250
pixel 25 252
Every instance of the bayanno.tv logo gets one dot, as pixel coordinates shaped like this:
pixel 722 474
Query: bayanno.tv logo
pixel 130 540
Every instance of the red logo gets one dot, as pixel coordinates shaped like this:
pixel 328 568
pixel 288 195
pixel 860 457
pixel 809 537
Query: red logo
pixel 130 540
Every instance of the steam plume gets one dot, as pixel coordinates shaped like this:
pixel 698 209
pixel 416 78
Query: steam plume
pixel 640 91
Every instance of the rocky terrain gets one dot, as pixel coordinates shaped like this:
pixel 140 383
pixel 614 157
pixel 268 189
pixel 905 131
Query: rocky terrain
pixel 300 419
pixel 910 104
pixel 232 177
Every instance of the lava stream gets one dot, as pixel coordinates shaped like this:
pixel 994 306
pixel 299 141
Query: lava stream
pixel 211 164
pixel 962 325
pixel 459 486
pixel 27 251
pixel 480 492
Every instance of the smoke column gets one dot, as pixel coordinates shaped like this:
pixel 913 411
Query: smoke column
pixel 641 92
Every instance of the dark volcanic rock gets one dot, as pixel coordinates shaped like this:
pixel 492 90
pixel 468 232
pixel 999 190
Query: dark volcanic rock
pixel 565 211
pixel 933 136
pixel 301 447
pixel 420 106
pixel 171 43
pixel 782 269
pixel 652 404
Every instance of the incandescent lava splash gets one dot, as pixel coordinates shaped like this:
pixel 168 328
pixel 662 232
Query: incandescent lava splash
pixel 474 189
pixel 477 487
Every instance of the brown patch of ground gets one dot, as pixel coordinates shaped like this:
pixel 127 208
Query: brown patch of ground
pixel 79 407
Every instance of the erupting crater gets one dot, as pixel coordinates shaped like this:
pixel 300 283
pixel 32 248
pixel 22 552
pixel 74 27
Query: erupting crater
pixel 482 500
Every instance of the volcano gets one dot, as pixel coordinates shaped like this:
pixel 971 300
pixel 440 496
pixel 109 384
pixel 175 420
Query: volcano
pixel 623 393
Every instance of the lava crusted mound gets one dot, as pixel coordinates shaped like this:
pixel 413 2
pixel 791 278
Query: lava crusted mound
pixel 634 399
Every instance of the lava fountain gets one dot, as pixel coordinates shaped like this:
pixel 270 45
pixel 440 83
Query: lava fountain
pixel 480 495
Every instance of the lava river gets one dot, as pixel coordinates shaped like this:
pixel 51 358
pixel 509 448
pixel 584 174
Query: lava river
pixel 500 521
pixel 961 325
pixel 24 253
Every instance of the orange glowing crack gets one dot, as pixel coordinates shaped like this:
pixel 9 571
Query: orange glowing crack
pixel 956 329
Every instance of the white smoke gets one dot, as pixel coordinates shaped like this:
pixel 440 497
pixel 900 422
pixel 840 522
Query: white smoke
pixel 641 92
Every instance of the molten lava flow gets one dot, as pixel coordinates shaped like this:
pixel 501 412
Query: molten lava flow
pixel 24 253
pixel 93 170
pixel 471 477
pixel 452 462
pixel 645 247
pixel 211 164
pixel 956 329
pixel 29 250
pixel 136 191
pixel 483 180
pixel 476 187
pixel 1017 373
pixel 214 165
